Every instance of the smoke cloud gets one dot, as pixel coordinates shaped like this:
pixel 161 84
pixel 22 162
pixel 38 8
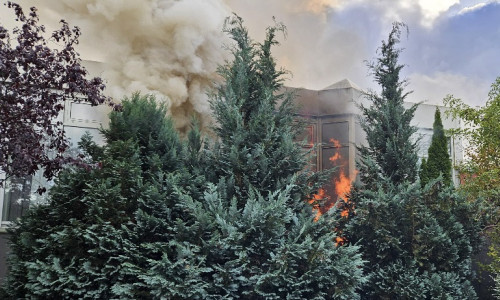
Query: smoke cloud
pixel 168 48
pixel 171 48
pixel 163 47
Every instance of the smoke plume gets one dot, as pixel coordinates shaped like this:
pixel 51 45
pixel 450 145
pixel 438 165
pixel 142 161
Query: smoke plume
pixel 171 48
pixel 164 47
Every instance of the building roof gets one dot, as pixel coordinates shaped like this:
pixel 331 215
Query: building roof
pixel 343 84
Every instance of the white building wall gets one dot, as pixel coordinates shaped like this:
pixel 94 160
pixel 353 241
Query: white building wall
pixel 423 120
pixel 77 118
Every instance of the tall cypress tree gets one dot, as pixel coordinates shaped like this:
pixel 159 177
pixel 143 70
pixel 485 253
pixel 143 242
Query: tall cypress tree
pixel 260 239
pixel 255 136
pixel 422 173
pixel 418 241
pixel 438 161
pixel 390 153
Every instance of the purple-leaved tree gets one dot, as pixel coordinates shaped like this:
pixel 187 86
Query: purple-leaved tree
pixel 35 81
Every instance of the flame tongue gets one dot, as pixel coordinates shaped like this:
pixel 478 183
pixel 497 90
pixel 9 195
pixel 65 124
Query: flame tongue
pixel 318 197
pixel 335 157
pixel 336 143
pixel 342 184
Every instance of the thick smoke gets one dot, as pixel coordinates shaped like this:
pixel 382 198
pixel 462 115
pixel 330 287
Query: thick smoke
pixel 172 47
pixel 165 47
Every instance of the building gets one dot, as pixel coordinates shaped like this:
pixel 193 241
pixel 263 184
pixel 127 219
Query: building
pixel 333 126
pixel 19 194
pixel 332 133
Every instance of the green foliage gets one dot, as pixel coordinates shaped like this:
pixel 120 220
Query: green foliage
pixel 496 291
pixel 149 216
pixel 438 162
pixel 268 250
pixel 256 137
pixel 481 126
pixel 141 119
pixel 71 246
pixel 481 172
pixel 260 237
pixel 494 254
pixel 417 240
pixel 390 153
pixel 98 229
pixel 422 173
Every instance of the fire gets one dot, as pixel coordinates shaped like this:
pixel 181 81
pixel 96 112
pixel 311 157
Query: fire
pixel 342 184
pixel 336 143
pixel 344 213
pixel 335 157
pixel 316 197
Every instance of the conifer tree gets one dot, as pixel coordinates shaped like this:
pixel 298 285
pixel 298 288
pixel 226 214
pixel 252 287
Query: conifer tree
pixel 390 153
pixel 109 222
pixel 438 161
pixel 424 179
pixel 260 239
pixel 149 217
pixel 256 145
pixel 140 119
pixel 71 247
pixel 418 241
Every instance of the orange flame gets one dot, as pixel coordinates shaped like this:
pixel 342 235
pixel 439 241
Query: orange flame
pixel 336 143
pixel 335 157
pixel 339 241
pixel 316 197
pixel 343 185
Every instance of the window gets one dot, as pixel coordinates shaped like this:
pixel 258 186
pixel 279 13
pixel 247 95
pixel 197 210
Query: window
pixel 338 131
pixel 307 136
pixel 16 198
pixel 18 194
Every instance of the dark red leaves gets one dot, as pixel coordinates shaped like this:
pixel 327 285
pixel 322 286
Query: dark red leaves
pixel 35 81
